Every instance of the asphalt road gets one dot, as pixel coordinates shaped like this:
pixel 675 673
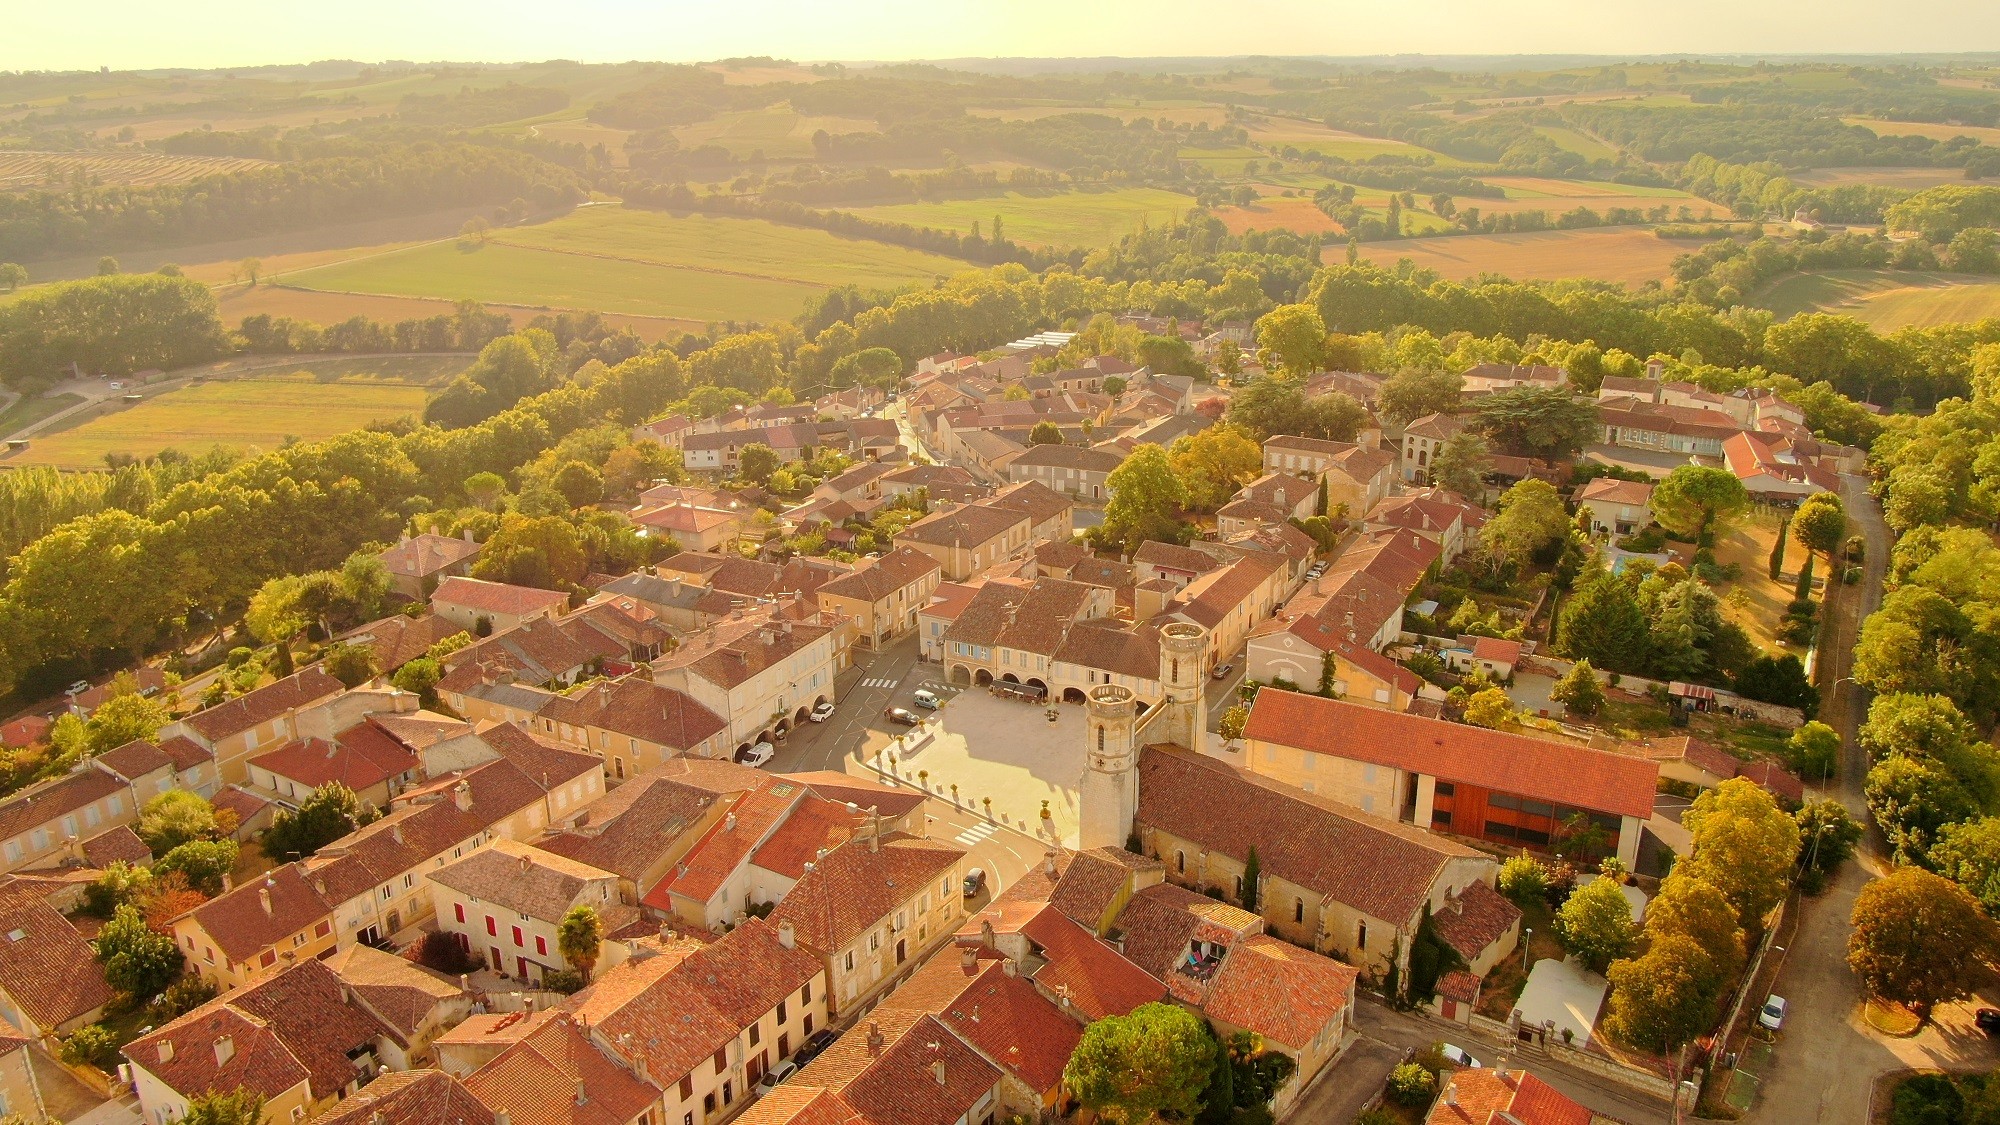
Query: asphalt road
pixel 1385 1036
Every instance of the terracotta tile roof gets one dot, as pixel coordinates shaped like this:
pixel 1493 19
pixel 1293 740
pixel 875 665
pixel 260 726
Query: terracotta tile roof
pixel 121 844
pixel 134 760
pixel 240 801
pixel 1085 973
pixel 1039 623
pixel 1430 512
pixel 1110 646
pixel 628 830
pixel 1437 427
pixel 1013 1025
pixel 396 640
pixel 555 1076
pixel 410 1097
pixel 289 695
pixel 421 556
pixel 888 1067
pixel 396 990
pixel 1168 556
pixel 513 875
pixel 1655 417
pixel 48 970
pixel 1299 444
pixel 1557 772
pixel 496 1028
pixel 729 574
pixel 927 476
pixel 242 926
pixel 706 867
pixel 43 803
pixel 496 597
pixel 860 792
pixel 968 526
pixel 1037 501
pixel 949 600
pixel 1377 866
pixel 1284 993
pixel 26 730
pixel 1161 920
pixel 186 752
pixel 1478 1096
pixel 900 568
pixel 1779 780
pixel 359 757
pixel 682 1006
pixel 986 614
pixel 1209 599
pixel 1611 490
pixel 292 1025
pixel 636 707
pixel 734 652
pixel 856 885
pixel 1495 649
pixel 1459 985
pixel 815 824
pixel 1475 918
pixel 1092 881
pixel 1069 457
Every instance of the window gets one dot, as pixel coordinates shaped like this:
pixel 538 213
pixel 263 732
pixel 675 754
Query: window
pixel 1361 935
pixel 323 929
pixel 808 1025
pixel 1298 910
pixel 458 911
pixel 1239 888
pixel 492 927
pixel 541 945
pixel 269 958
pixel 847 962
pixel 1180 863
pixel 806 993
pixel 708 1102
pixel 1444 789
pixel 756 1034
pixel 687 1086
pixel 781 1013
pixel 722 1060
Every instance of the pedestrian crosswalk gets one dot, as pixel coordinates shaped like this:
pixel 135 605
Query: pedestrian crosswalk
pixel 974 835
pixel 878 682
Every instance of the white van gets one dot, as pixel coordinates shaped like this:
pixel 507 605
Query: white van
pixel 927 700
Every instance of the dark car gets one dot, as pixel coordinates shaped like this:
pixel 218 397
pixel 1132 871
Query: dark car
pixel 899 715
pixel 1988 1020
pixel 814 1046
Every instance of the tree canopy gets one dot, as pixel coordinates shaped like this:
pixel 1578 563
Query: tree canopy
pixel 1151 1064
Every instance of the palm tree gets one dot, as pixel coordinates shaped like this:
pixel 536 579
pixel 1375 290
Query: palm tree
pixel 578 937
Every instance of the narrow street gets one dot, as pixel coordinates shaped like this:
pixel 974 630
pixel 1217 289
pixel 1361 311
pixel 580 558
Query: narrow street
pixel 1828 1060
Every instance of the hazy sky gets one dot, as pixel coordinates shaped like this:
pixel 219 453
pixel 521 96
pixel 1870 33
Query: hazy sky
pixel 143 33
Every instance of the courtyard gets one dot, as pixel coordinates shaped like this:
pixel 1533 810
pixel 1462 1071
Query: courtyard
pixel 1004 756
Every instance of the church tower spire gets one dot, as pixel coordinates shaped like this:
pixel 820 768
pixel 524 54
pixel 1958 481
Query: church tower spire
pixel 1110 797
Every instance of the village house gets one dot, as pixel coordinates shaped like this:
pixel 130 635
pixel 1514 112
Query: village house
pixel 1683 430
pixel 1422 439
pixel 301 1040
pixel 669 431
pixel 417 563
pixel 234 730
pixel 50 981
pixel 706 1020
pixel 753 856
pixel 631 723
pixel 1271 499
pixel 898 1067
pixel 1068 469
pixel 1502 788
pixel 872 909
pixel 883 596
pixel 1485 378
pixel 696 527
pixel 409 1097
pixel 1772 469
pixel 762 675
pixel 641 830
pixel 483 608
pixel 558 1073
pixel 1617 507
pixel 1355 476
pixel 1442 517
pixel 505 904
pixel 967 538
pixel 416 1004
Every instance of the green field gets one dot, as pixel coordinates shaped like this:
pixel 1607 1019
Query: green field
pixel 316 400
pixel 27 411
pixel 1088 218
pixel 775 131
pixel 1887 299
pixel 695 268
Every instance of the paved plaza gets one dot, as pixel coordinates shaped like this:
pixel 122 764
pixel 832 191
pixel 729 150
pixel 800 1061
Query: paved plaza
pixel 998 749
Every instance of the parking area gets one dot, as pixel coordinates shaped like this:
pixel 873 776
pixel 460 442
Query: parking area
pixel 998 750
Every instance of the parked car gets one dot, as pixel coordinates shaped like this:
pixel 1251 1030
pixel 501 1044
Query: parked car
pixel 926 699
pixel 821 713
pixel 1988 1020
pixel 1458 1055
pixel 78 687
pixel 1772 1015
pixel 1315 570
pixel 974 879
pixel 757 755
pixel 814 1046
pixel 775 1076
pixel 1222 671
pixel 899 715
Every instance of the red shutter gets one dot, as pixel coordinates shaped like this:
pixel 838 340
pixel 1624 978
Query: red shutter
pixel 517 936
pixel 492 927
pixel 541 945
pixel 458 911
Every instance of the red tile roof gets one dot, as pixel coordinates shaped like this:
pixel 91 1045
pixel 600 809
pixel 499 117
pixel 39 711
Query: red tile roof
pixel 1084 972
pixel 555 1076
pixel 289 695
pixel 48 970
pixel 496 597
pixel 360 757
pixel 1474 919
pixel 1478 1096
pixel 1284 993
pixel 702 872
pixel 421 556
pixel 410 1097
pixel 1556 772
pixel 815 825
pixel 856 885
pixel 903 1067
pixel 1012 1024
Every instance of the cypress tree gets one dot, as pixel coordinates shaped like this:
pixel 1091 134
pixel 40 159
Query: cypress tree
pixel 1251 871
pixel 1778 551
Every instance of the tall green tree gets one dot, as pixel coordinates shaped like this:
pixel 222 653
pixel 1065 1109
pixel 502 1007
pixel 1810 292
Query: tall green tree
pixel 330 812
pixel 138 961
pixel 1661 1000
pixel 1147 498
pixel 1215 463
pixel 1693 908
pixel 1695 498
pixel 1914 934
pixel 1548 423
pixel 756 462
pixel 1045 433
pixel 1152 1064
pixel 1415 391
pixel 1601 622
pixel 1743 844
pixel 1462 463
pixel 1578 690
pixel 1595 922
pixel 578 938
pixel 176 817
pixel 1820 523
pixel 1291 339
pixel 1531 523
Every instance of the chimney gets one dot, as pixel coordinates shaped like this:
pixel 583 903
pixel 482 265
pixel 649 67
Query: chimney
pixel 581 1097
pixel 1451 1095
pixel 166 1050
pixel 527 864
pixel 729 822
pixel 264 897
pixel 968 957
pixel 875 1039
pixel 466 535
pixel 1049 862
pixel 396 833
pixel 1010 967
pixel 788 935
pixel 502 1117
pixel 875 823
pixel 461 795
pixel 225 1049
pixel 937 1071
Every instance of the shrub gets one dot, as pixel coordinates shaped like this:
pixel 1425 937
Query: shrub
pixel 1411 1085
pixel 442 951
pixel 182 996
pixel 565 981
pixel 1927 1099
pixel 1523 879
pixel 92 1045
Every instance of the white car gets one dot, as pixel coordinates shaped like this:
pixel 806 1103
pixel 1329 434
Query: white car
pixel 757 755
pixel 1457 1055
pixel 776 1075
pixel 821 713
pixel 1772 1015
